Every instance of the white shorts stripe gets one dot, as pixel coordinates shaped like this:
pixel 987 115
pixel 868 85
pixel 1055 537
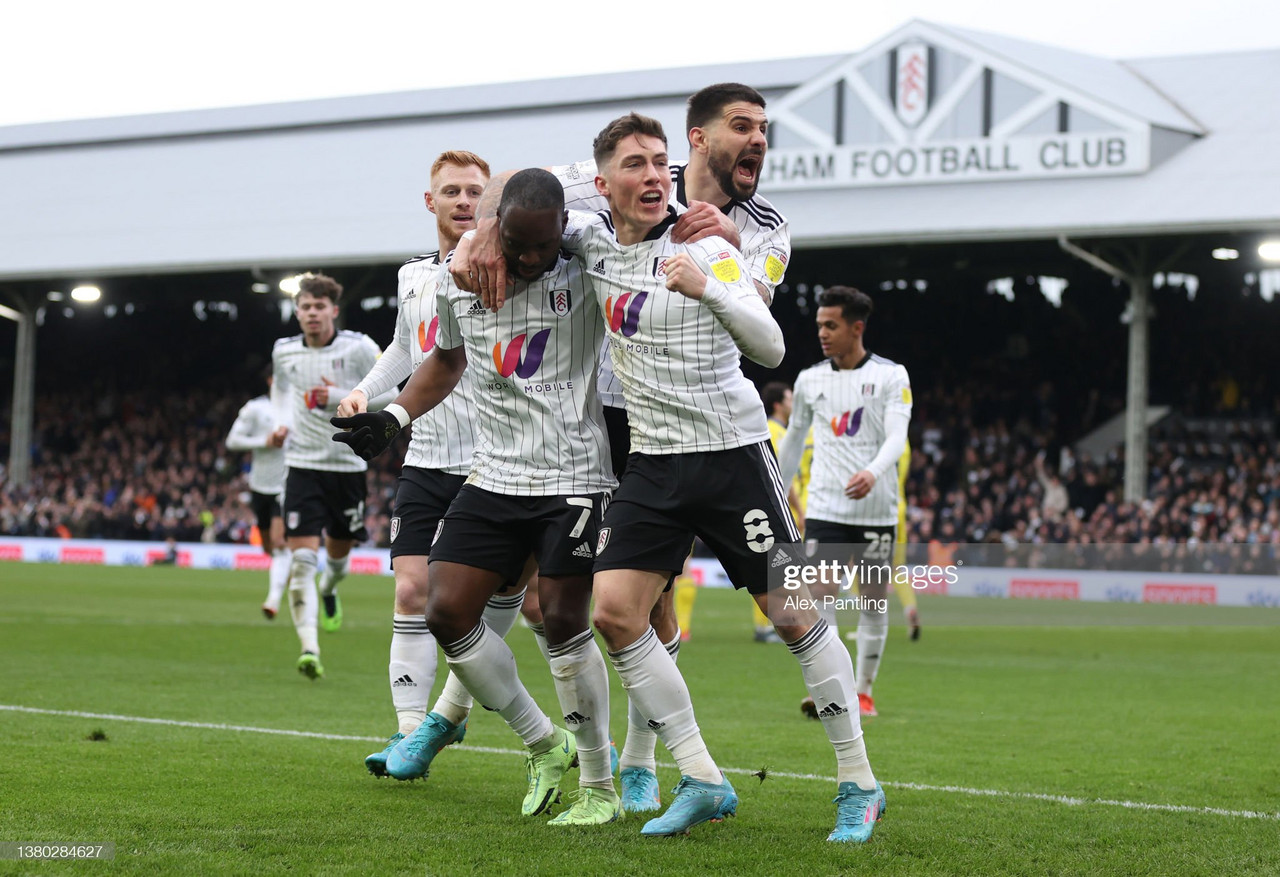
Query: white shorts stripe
pixel 774 477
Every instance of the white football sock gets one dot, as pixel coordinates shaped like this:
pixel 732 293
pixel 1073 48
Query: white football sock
pixel 335 570
pixel 873 636
pixel 651 679
pixel 304 604
pixel 582 685
pixel 828 674
pixel 485 665
pixel 277 577
pixel 411 669
pixel 638 750
pixel 540 636
pixel 500 614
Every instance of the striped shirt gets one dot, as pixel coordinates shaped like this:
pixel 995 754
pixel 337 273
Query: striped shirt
pixel 297 369
pixel 679 367
pixel 257 419
pixel 444 437
pixel 765 239
pixel 540 427
pixel 847 408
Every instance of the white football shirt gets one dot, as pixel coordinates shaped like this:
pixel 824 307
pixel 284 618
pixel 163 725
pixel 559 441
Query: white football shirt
pixel 444 437
pixel 847 409
pixel 257 419
pixel 540 426
pixel 764 233
pixel 298 368
pixel 679 367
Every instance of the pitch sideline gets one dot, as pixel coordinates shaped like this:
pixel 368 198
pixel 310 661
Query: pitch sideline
pixel 737 771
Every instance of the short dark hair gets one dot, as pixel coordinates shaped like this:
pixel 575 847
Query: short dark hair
pixel 705 104
pixel 533 189
pixel 606 142
pixel 320 286
pixel 854 304
pixel 772 394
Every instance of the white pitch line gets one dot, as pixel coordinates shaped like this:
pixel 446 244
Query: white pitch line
pixel 919 787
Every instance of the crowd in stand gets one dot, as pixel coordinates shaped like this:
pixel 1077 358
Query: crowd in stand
pixel 147 467
pixel 985 468
pixel 1212 500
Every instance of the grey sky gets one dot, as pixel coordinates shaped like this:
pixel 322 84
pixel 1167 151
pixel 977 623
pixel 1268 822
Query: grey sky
pixel 76 59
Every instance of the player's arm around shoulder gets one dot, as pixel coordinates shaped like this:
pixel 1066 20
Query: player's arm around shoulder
pixel 727 290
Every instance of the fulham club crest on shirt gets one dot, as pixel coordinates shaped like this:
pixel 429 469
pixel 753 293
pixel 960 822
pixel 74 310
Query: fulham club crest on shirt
pixel 560 302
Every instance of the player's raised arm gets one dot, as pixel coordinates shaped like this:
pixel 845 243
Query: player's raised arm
pixel 477 265
pixel 703 220
pixel 716 278
pixel 389 369
pixel 370 434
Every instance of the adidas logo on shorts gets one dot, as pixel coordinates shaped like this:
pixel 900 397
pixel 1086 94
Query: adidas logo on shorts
pixel 583 550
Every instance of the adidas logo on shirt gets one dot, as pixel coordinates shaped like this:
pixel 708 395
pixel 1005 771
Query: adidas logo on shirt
pixel 412 293
pixel 404 682
pixel 583 550
pixel 476 308
pixel 780 559
pixel 598 267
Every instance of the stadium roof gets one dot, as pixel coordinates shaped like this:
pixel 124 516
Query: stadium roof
pixel 338 181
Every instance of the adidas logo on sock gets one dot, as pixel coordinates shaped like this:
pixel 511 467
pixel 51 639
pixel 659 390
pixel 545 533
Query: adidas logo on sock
pixel 831 710
pixel 575 718
pixel 583 550
pixel 476 308
pixel 404 682
pixel 598 267
pixel 656 726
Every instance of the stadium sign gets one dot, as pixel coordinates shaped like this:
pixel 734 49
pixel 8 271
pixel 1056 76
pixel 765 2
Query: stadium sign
pixel 923 106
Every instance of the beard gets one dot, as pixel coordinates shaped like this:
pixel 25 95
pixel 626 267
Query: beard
pixel 722 167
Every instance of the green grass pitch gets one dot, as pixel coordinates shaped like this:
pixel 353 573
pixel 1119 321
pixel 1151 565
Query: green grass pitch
pixel 1016 737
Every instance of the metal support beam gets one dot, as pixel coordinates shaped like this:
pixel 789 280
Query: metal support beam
pixel 1135 425
pixel 24 385
pixel 1135 414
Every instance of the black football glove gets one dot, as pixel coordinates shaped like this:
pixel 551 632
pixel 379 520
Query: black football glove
pixel 368 434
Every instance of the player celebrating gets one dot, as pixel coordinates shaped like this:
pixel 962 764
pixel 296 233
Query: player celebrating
pixel 258 429
pixel 862 403
pixel 325 487
pixel 680 316
pixel 726 127
pixel 538 485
